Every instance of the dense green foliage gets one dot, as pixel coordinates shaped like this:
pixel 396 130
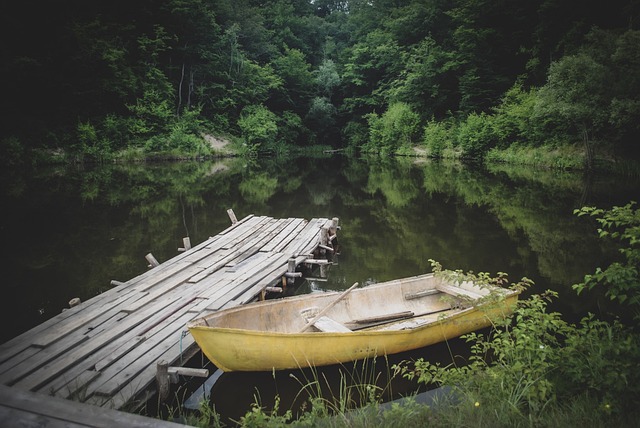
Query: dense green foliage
pixel 93 79
pixel 621 279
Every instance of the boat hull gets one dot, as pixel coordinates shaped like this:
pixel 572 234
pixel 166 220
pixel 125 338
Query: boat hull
pixel 248 350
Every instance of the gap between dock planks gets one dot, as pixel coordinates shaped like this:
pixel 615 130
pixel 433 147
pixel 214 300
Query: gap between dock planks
pixel 104 351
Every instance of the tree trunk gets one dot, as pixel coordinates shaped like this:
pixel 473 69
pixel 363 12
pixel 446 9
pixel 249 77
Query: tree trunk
pixel 191 88
pixel 180 92
pixel 588 149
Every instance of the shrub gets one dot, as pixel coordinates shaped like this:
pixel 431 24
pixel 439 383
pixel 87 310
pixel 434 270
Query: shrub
pixel 475 135
pixel 600 358
pixel 258 125
pixel 438 137
pixel 397 127
pixel 621 279
pixel 512 119
pixel 90 144
pixel 290 127
pixel 356 134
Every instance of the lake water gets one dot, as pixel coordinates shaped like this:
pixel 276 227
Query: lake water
pixel 67 232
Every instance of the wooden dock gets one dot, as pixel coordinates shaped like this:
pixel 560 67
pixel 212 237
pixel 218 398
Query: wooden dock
pixel 25 409
pixel 105 351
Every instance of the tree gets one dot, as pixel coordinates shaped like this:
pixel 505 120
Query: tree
pixel 327 78
pixel 321 117
pixel 258 125
pixel 297 82
pixel 371 66
pixel 625 104
pixel 577 91
pixel 429 82
pixel 397 128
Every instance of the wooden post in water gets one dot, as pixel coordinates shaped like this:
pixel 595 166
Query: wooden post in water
pixel 162 380
pixel 187 244
pixel 334 225
pixel 333 230
pixel 232 216
pixel 324 240
pixel 152 260
pixel 291 268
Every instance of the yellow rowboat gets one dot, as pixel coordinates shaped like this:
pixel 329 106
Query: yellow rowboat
pixel 328 328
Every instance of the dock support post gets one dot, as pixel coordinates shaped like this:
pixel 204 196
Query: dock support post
pixel 152 260
pixel 334 225
pixel 333 229
pixel 291 268
pixel 187 244
pixel 162 380
pixel 324 240
pixel 232 216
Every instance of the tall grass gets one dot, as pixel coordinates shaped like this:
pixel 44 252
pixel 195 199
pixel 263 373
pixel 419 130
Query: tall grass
pixel 562 157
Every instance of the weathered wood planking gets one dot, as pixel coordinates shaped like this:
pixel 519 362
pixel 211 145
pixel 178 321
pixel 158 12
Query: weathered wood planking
pixel 104 351
pixel 25 409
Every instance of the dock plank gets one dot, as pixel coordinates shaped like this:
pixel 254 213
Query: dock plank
pixel 18 358
pixel 146 378
pixel 72 375
pixel 23 341
pixel 310 233
pixel 162 287
pixel 92 318
pixel 75 388
pixel 258 263
pixel 281 242
pixel 39 361
pixel 238 254
pixel 20 408
pixel 119 374
pixel 249 292
pixel 57 366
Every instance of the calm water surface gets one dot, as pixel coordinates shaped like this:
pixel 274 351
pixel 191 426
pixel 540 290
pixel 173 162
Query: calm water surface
pixel 68 232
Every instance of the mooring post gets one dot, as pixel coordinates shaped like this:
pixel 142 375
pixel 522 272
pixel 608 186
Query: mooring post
pixel 324 240
pixel 162 380
pixel 333 229
pixel 323 271
pixel 291 268
pixel 232 216
pixel 152 260
pixel 187 244
pixel 334 225
pixel 74 302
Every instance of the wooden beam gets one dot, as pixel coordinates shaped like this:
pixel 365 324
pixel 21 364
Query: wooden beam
pixel 21 408
pixel 187 245
pixel 162 380
pixel 232 216
pixel 152 260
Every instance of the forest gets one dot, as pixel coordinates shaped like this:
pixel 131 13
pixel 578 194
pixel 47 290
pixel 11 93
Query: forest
pixel 471 79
